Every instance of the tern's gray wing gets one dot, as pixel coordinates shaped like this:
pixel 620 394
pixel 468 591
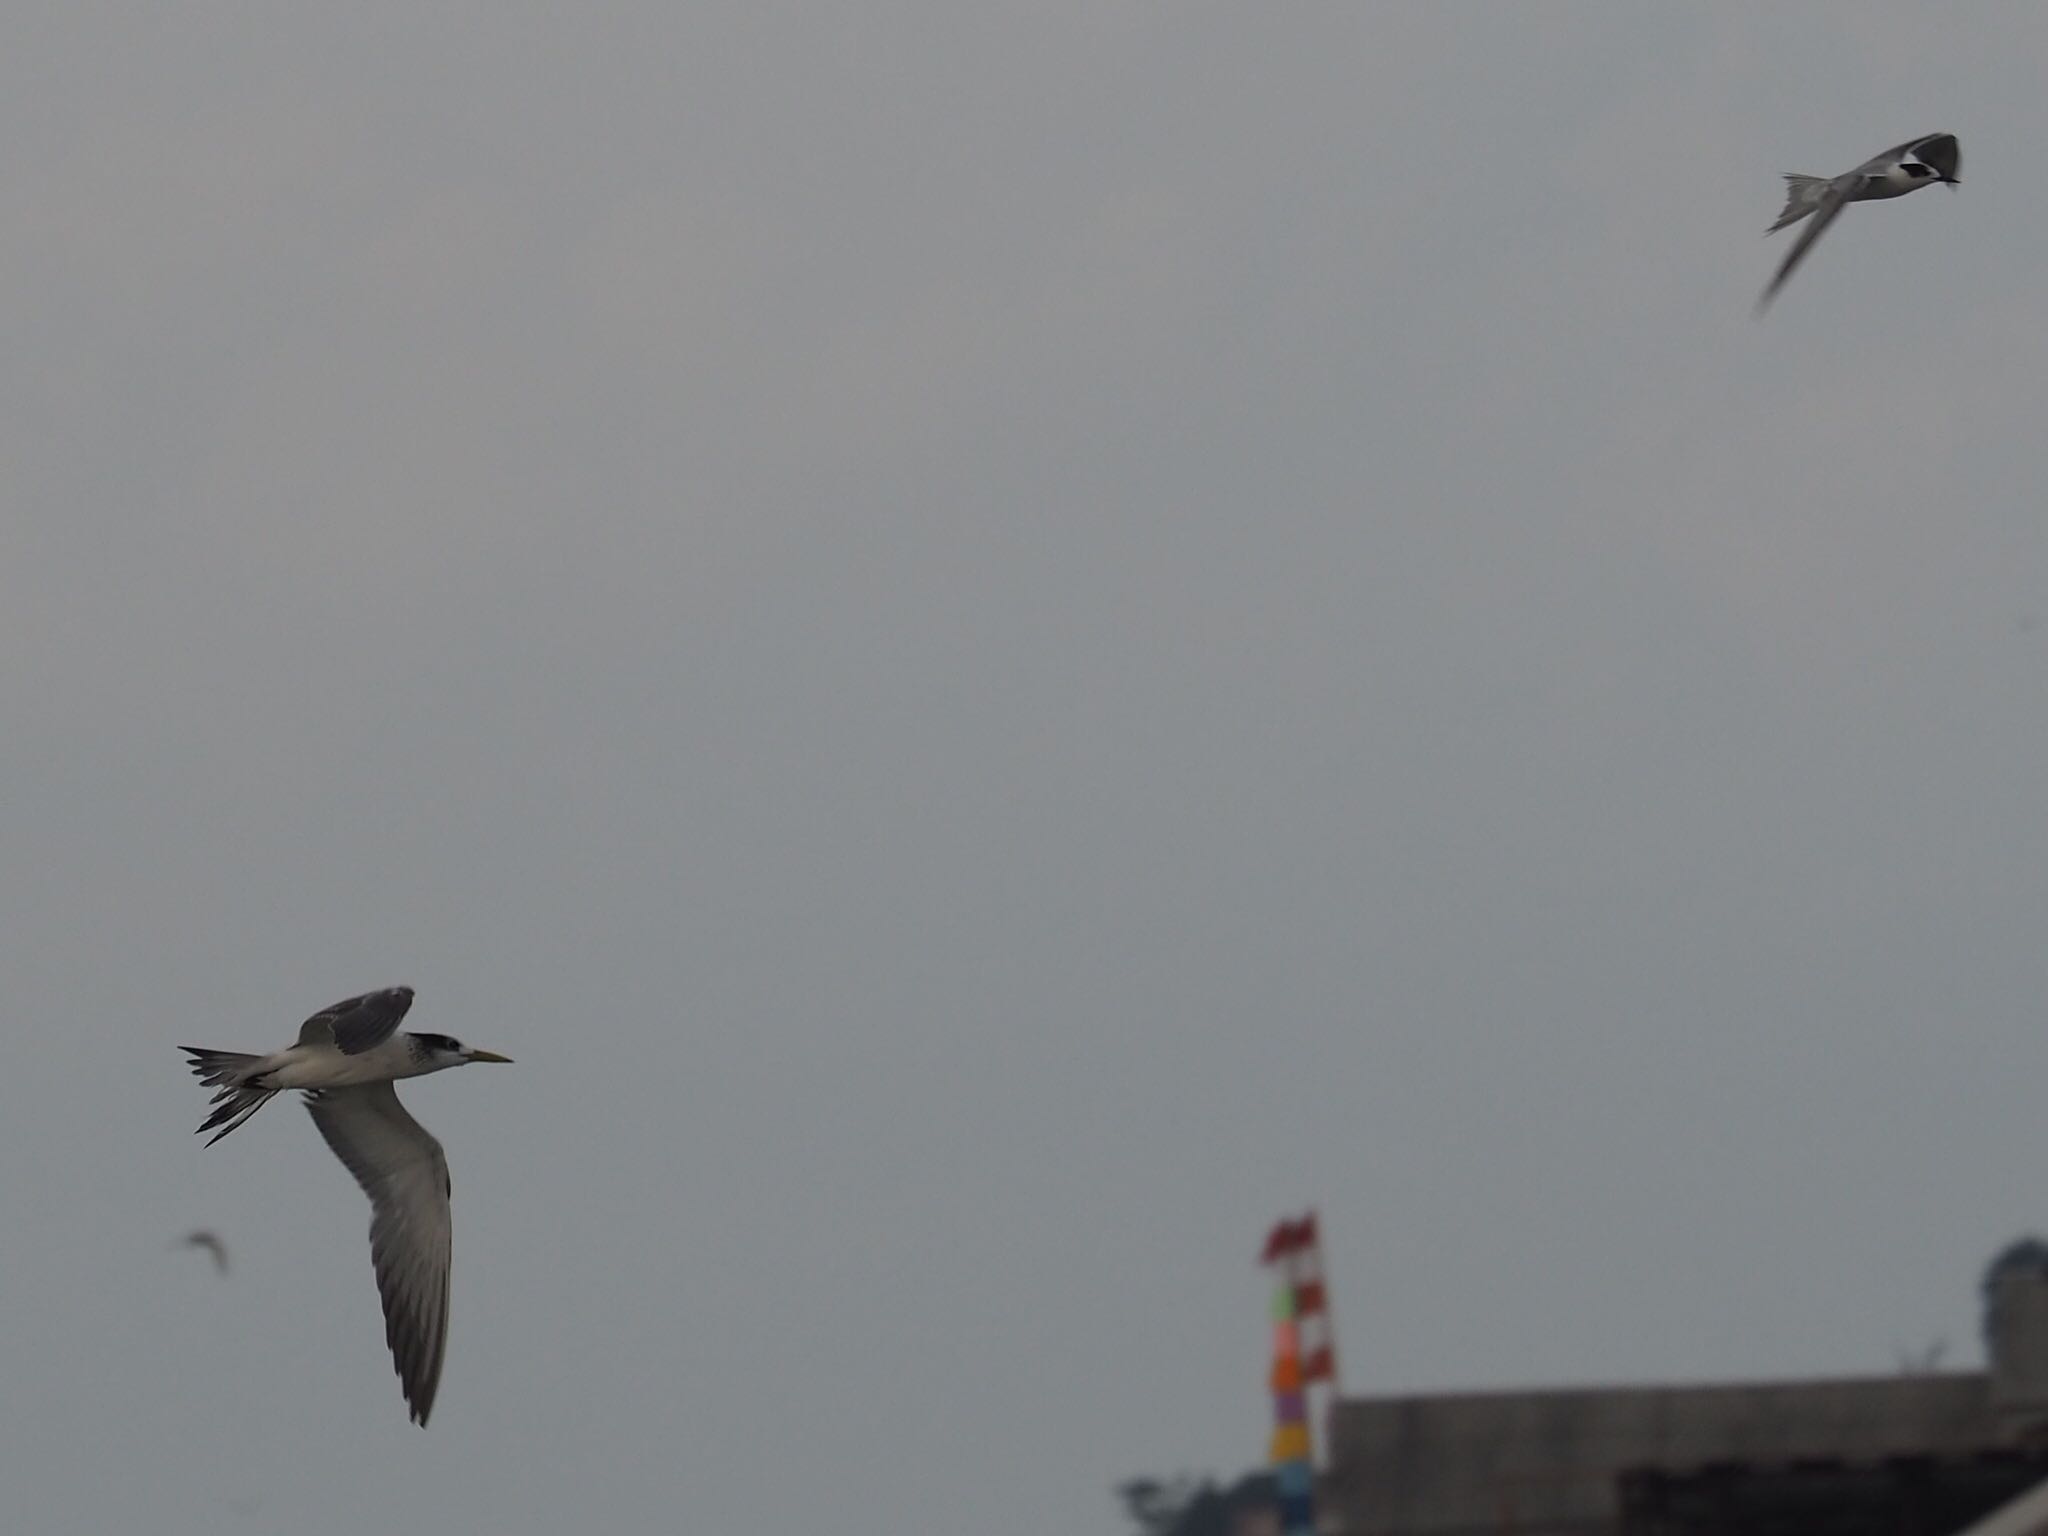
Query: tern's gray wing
pixel 403 1172
pixel 1938 150
pixel 1830 207
pixel 354 1026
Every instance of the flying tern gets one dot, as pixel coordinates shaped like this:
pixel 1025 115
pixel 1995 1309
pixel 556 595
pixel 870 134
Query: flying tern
pixel 1916 163
pixel 211 1242
pixel 345 1061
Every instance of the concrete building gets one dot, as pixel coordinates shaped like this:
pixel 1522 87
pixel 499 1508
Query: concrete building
pixel 1900 1455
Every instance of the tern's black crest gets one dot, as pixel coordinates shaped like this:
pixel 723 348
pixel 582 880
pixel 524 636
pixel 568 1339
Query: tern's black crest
pixel 1938 151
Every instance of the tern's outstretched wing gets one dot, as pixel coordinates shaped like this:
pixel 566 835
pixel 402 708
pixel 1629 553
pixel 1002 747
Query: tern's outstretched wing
pixel 403 1172
pixel 1830 208
pixel 355 1025
pixel 1938 150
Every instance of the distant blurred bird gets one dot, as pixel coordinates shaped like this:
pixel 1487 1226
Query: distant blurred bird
pixel 211 1242
pixel 1916 163
pixel 345 1061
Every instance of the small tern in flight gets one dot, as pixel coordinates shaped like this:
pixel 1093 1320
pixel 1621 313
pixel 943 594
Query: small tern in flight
pixel 211 1242
pixel 1911 165
pixel 345 1061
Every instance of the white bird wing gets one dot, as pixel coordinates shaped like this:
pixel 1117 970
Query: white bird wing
pixel 1831 205
pixel 402 1170
pixel 355 1024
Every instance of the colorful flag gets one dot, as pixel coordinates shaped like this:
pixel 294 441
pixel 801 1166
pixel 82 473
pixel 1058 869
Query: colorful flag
pixel 1304 1351
pixel 1281 1241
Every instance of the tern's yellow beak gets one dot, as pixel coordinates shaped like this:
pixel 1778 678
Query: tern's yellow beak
pixel 489 1056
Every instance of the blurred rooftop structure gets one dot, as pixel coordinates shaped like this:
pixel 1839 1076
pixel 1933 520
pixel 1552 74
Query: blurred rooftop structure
pixel 1909 1454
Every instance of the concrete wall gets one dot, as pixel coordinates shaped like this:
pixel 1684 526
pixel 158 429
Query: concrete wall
pixel 2016 1338
pixel 1544 1463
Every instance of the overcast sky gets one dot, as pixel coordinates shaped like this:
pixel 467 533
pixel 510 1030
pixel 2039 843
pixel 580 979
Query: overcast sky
pixel 1000 644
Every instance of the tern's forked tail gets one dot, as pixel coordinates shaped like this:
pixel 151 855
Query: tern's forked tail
pixel 1802 196
pixel 236 1101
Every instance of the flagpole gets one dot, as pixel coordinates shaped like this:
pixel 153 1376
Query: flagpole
pixel 1292 1450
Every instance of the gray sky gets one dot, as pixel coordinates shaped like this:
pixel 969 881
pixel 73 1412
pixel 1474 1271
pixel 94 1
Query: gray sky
pixel 998 645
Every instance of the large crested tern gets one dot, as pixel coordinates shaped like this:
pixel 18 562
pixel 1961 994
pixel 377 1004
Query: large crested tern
pixel 1909 166
pixel 345 1061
